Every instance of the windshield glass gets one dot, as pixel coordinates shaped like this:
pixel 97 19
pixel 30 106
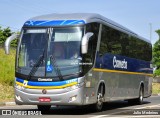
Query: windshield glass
pixel 54 52
pixel 64 51
pixel 32 47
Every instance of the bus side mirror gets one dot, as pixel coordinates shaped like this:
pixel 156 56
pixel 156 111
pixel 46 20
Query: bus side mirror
pixel 8 41
pixel 85 40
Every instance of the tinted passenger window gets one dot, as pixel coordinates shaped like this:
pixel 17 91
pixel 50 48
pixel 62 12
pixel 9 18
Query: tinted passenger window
pixel 116 42
pixel 113 41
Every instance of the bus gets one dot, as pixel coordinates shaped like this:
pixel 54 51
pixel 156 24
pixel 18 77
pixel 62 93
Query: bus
pixel 80 59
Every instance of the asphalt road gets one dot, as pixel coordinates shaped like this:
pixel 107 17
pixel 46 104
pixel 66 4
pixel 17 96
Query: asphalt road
pixel 150 109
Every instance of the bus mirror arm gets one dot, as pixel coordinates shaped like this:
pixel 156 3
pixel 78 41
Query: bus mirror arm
pixel 85 40
pixel 8 41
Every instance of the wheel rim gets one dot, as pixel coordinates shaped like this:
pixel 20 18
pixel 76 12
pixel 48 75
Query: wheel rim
pixel 141 96
pixel 99 101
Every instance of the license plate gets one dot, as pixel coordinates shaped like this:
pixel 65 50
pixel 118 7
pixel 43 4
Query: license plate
pixel 44 99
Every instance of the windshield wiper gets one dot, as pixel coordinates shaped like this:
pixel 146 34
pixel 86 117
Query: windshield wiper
pixel 57 70
pixel 36 66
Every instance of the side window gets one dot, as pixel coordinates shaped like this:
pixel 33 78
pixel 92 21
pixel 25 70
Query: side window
pixel 104 45
pixel 148 51
pixel 113 41
pixel 116 42
pixel 139 49
pixel 92 27
pixel 92 45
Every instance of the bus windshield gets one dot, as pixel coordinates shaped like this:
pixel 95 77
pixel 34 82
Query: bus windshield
pixel 50 52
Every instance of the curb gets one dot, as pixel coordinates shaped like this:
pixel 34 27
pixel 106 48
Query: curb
pixel 7 103
pixel 2 104
pixel 156 94
pixel 10 103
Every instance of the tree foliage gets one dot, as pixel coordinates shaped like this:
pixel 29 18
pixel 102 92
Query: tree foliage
pixel 4 34
pixel 156 55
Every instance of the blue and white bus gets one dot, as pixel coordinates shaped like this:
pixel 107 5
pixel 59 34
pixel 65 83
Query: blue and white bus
pixel 80 59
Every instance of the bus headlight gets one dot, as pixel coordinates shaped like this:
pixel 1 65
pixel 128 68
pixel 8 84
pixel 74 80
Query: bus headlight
pixel 74 86
pixel 19 87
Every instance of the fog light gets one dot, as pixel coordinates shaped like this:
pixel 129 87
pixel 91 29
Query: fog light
pixel 73 98
pixel 19 98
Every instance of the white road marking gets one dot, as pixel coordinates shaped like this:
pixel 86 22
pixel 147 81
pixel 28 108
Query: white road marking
pixel 99 116
pixel 148 106
pixel 109 115
pixel 131 116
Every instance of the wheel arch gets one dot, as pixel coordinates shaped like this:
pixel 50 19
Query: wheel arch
pixel 141 85
pixel 101 83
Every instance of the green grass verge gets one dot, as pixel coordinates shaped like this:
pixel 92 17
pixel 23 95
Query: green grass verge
pixel 6 93
pixel 7 70
pixel 7 67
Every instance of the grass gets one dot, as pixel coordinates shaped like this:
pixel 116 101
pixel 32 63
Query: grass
pixel 6 93
pixel 155 88
pixel 7 70
pixel 7 67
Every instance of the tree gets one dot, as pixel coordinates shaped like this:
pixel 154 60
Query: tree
pixel 156 55
pixel 4 34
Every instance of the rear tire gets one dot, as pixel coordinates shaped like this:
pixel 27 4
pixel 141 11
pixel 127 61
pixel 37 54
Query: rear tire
pixel 44 108
pixel 139 100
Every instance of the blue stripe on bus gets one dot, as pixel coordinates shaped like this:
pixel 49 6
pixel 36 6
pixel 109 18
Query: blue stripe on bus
pixel 133 65
pixel 19 80
pixel 60 83
pixel 53 22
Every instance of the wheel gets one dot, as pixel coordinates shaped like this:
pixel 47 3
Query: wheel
pixel 44 108
pixel 100 99
pixel 138 100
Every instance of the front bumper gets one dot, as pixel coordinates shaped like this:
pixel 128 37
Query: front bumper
pixel 31 97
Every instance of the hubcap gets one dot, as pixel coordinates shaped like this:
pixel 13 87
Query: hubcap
pixel 100 99
pixel 141 96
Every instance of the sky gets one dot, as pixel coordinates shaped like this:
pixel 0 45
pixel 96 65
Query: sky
pixel 140 16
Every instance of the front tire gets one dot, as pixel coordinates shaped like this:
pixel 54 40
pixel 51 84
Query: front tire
pixel 100 99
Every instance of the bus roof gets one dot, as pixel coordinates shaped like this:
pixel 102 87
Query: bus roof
pixel 76 19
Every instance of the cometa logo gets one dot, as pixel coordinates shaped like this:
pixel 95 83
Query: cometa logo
pixel 40 79
pixel 119 63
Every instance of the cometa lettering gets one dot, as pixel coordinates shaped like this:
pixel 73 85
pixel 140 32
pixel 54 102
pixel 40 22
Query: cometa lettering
pixel 40 79
pixel 119 63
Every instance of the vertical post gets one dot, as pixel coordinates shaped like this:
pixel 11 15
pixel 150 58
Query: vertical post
pixel 150 24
